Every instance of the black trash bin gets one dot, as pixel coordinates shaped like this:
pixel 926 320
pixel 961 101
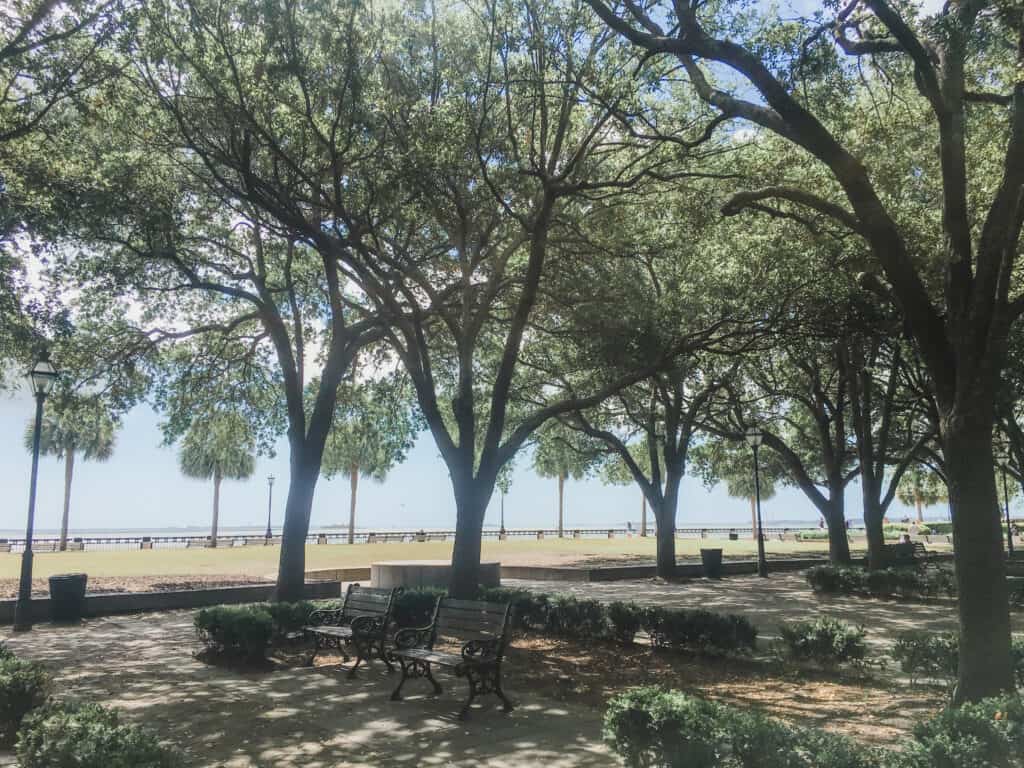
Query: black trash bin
pixel 712 560
pixel 67 596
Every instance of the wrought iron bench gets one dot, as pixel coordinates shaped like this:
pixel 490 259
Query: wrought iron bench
pixel 466 636
pixel 361 623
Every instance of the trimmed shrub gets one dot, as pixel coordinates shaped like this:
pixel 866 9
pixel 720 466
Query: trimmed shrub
pixel 529 609
pixel 651 726
pixel 289 617
pixel 937 655
pixel 907 582
pixel 415 607
pixel 70 735
pixel 825 640
pixel 24 685
pixel 5 652
pixel 698 630
pixel 242 631
pixel 625 619
pixel 987 733
pixel 570 617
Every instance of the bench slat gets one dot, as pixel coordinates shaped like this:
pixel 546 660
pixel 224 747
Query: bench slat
pixel 475 605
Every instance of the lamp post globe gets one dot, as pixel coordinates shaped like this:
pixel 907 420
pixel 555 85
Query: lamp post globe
pixel 754 437
pixel 42 379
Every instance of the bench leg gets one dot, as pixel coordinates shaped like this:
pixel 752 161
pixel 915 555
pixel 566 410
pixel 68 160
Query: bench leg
pixel 414 668
pixel 481 681
pixel 383 656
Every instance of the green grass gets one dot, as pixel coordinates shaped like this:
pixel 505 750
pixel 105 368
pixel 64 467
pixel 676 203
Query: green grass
pixel 262 561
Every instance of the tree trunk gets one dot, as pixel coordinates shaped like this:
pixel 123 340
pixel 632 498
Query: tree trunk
pixel 354 482
pixel 920 508
pixel 873 522
pixel 291 573
pixel 666 541
pixel 216 508
pixel 465 578
pixel 643 514
pixel 985 668
pixel 561 502
pixel 69 473
pixel 838 543
pixel 753 518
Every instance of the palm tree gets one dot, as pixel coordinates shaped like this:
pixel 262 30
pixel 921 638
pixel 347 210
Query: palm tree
pixel 561 453
pixel 221 447
pixel 80 429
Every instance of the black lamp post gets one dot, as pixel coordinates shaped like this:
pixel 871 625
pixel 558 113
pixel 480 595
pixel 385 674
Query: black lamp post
pixel 754 437
pixel 270 501
pixel 42 378
pixel 1004 461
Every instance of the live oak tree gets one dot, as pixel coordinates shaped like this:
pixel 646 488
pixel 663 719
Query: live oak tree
pixel 966 62
pixel 374 427
pixel 74 428
pixel 218 447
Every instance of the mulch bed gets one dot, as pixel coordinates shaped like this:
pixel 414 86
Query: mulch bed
pixel 107 584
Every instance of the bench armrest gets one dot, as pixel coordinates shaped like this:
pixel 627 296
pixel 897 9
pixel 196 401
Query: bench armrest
pixel 326 617
pixel 368 626
pixel 481 651
pixel 412 637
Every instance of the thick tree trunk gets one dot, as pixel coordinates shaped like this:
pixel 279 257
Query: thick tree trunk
pixel 69 473
pixel 470 506
pixel 216 508
pixel 291 573
pixel 838 543
pixel 666 542
pixel 985 668
pixel 873 519
pixel 561 505
pixel 354 483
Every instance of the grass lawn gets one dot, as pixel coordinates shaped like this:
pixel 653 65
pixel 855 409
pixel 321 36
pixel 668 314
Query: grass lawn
pixel 262 561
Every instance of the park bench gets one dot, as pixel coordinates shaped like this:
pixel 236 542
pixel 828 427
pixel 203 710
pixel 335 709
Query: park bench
pixel 902 554
pixel 467 637
pixel 361 623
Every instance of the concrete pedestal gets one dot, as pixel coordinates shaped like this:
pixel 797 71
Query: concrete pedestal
pixel 425 573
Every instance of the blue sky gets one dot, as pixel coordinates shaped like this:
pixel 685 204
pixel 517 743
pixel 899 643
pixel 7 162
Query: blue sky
pixel 141 487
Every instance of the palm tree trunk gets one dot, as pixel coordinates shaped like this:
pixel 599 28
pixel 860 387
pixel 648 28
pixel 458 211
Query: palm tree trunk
pixel 561 498
pixel 216 508
pixel 69 473
pixel 920 510
pixel 354 480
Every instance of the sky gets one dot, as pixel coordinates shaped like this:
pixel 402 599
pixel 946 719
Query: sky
pixel 142 488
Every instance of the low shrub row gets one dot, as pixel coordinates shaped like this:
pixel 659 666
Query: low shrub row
pixel 907 583
pixel 67 734
pixel 824 640
pixel 656 727
pixel 247 631
pixel 936 655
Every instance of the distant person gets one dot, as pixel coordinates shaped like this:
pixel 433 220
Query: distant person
pixel 629 527
pixel 906 538
pixel 821 522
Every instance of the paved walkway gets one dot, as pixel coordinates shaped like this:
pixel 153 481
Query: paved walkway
pixel 308 717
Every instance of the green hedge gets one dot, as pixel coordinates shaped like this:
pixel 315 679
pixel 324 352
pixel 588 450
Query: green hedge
pixel 74 735
pixel 242 631
pixel 907 583
pixel 652 726
pixel 24 685
pixel 825 640
pixel 937 655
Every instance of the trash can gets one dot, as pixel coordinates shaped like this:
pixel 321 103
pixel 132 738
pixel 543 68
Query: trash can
pixel 67 596
pixel 712 561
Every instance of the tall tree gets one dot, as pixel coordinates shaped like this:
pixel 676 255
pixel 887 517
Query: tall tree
pixel 79 428
pixel 220 447
pixel 965 65
pixel 730 461
pixel 374 428
pixel 920 488
pixel 558 454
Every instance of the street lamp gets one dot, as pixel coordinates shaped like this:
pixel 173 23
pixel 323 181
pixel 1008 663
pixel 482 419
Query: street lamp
pixel 270 501
pixel 754 436
pixel 42 377
pixel 1003 460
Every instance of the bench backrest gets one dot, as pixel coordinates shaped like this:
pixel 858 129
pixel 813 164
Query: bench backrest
pixel 472 621
pixel 367 601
